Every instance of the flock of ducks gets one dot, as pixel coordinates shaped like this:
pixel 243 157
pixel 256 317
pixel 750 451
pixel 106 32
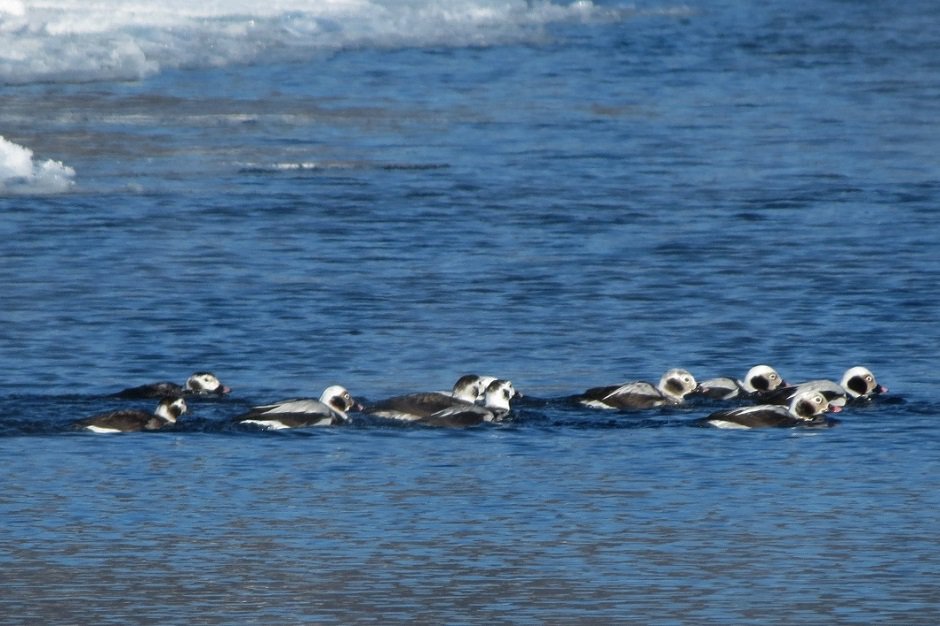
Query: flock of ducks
pixel 763 397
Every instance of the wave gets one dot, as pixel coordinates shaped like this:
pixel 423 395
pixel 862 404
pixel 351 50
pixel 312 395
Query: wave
pixel 76 41
pixel 20 173
pixel 317 167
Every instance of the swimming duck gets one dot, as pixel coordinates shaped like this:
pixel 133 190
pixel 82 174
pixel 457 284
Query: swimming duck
pixel 200 383
pixel 760 379
pixel 133 420
pixel 807 408
pixel 331 409
pixel 496 406
pixel 672 389
pixel 413 406
pixel 858 384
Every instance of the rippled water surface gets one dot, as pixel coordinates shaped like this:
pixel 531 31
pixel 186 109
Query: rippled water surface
pixel 563 195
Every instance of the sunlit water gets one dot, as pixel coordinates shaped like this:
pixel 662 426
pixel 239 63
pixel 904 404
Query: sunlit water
pixel 563 195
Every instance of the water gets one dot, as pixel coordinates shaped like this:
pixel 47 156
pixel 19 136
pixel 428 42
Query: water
pixel 389 195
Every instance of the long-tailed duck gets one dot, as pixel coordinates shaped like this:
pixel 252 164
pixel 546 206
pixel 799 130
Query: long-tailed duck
pixel 673 387
pixel 133 420
pixel 200 383
pixel 496 406
pixel 857 385
pixel 330 409
pixel 467 390
pixel 759 380
pixel 805 409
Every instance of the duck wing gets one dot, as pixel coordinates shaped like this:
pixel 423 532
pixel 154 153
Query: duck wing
pixel 459 417
pixel 632 395
pixel 291 414
pixel 153 390
pixel 721 388
pixel 416 405
pixel 760 416
pixel 832 391
pixel 125 421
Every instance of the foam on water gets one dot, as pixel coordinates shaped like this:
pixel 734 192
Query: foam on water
pixel 70 40
pixel 20 173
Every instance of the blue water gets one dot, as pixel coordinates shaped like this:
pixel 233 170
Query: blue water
pixel 586 198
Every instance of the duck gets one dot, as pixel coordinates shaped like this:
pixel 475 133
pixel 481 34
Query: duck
pixel 672 389
pixel 469 389
pixel 807 408
pixel 199 384
pixel 496 406
pixel 857 385
pixel 331 409
pixel 759 380
pixel 167 412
